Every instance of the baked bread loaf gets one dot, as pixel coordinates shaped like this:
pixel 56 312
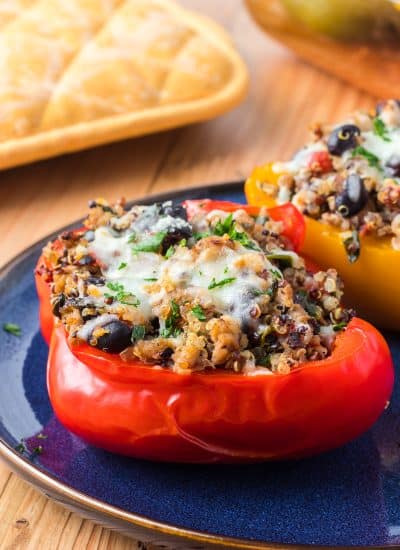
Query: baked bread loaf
pixel 76 73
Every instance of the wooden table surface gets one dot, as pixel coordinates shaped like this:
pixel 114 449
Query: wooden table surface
pixel 285 95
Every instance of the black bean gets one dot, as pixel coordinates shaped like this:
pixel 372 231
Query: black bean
pixel 271 342
pixel 117 337
pixel 353 198
pixel 175 235
pixel 392 166
pixel 165 355
pixel 342 139
pixel 174 210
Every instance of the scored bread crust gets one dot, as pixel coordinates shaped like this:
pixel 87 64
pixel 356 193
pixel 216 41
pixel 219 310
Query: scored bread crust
pixel 79 73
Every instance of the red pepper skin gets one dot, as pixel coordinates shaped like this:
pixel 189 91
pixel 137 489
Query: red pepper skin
pixel 150 412
pixel 320 162
pixel 153 413
pixel 46 317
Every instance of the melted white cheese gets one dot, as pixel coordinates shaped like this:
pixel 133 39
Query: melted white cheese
pixel 234 298
pixel 193 273
pixel 381 148
pixel 369 140
pixel 112 252
pixel 299 160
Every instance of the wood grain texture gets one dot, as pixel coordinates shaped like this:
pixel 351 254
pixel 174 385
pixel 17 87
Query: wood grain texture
pixel 285 96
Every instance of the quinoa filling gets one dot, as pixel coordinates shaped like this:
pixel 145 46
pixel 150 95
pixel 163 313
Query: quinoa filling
pixel 349 176
pixel 218 291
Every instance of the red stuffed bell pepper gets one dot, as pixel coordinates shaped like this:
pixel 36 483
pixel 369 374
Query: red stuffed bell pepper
pixel 239 411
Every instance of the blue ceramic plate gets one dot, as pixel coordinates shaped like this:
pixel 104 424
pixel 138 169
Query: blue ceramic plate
pixel 348 497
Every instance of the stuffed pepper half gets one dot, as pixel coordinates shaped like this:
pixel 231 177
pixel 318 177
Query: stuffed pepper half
pixel 347 183
pixel 196 333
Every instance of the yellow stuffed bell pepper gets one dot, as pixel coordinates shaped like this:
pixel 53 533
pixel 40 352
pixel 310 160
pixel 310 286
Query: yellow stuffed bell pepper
pixel 372 281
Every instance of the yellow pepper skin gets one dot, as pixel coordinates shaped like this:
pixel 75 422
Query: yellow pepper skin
pixel 372 283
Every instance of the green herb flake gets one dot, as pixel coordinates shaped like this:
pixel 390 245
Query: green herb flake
pixel 198 312
pixel 339 326
pixel 150 244
pixel 276 274
pixel 138 332
pixel 372 159
pixel 132 237
pixel 183 242
pixel 223 282
pixel 224 227
pixel 122 265
pixel 21 447
pixel 269 292
pixel 37 451
pixel 170 251
pixel 228 227
pixel 123 297
pixel 380 129
pixel 171 329
pixel 150 279
pixel 12 328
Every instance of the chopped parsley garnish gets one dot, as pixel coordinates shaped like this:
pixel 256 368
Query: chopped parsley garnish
pixel 276 274
pixel 171 330
pixel 198 312
pixel 269 292
pixel 138 332
pixel 380 129
pixel 21 447
pixel 150 244
pixel 222 282
pixel 169 252
pixel 226 270
pixel 228 227
pixel 132 237
pixel 122 265
pixel 12 328
pixel 352 246
pixel 224 227
pixel 126 298
pixel 150 279
pixel 339 326
pixel 372 159
pixel 37 451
